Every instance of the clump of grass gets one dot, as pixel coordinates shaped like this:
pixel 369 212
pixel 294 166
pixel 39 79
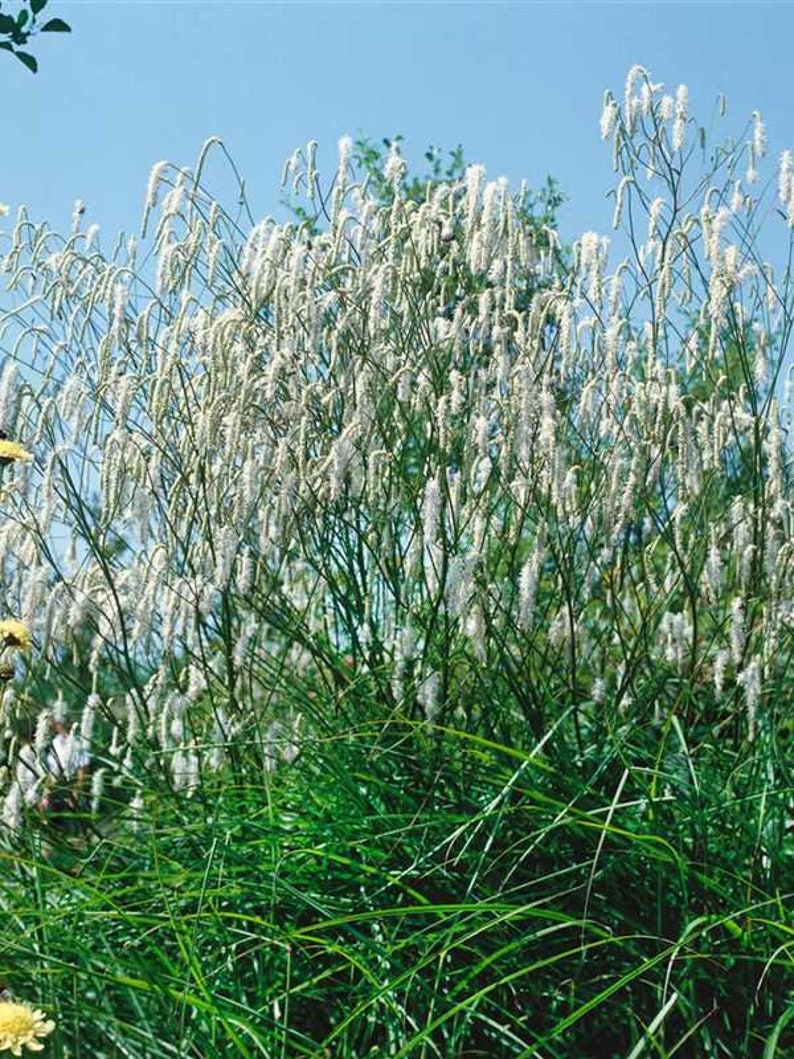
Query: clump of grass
pixel 363 901
pixel 421 592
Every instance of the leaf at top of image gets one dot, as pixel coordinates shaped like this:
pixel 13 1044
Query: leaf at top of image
pixel 56 25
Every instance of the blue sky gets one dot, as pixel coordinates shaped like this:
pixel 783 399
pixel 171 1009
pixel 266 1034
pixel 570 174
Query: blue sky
pixel 520 85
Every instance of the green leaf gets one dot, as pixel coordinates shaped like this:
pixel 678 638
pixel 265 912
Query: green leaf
pixel 22 18
pixel 37 5
pixel 27 60
pixel 7 24
pixel 770 1050
pixel 56 25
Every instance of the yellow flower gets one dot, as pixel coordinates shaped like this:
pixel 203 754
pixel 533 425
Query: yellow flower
pixel 21 1026
pixel 14 633
pixel 11 451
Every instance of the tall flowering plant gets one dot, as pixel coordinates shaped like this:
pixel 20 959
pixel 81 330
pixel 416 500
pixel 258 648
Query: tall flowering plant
pixel 409 444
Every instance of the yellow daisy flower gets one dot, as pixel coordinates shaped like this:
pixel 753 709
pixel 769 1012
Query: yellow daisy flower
pixel 10 451
pixel 14 633
pixel 21 1026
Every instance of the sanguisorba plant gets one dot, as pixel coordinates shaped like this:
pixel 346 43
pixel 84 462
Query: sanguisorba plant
pixel 407 455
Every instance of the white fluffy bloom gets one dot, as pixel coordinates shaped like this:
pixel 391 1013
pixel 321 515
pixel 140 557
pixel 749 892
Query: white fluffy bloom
pixel 345 149
pixel 428 695
pixel 720 663
pixel 97 789
pixel 750 680
pixel 28 771
pixel 431 509
pixel 12 807
pixel 654 213
pixel 679 124
pixel 785 185
pixel 759 135
pixel 394 167
pixel 527 586
pixel 155 177
pixel 68 754
pixel 635 73
pixel 608 117
pixel 738 638
pixel 784 178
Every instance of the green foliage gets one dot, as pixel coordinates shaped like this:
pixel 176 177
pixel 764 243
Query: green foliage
pixel 369 156
pixel 409 892
pixel 537 208
pixel 17 30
